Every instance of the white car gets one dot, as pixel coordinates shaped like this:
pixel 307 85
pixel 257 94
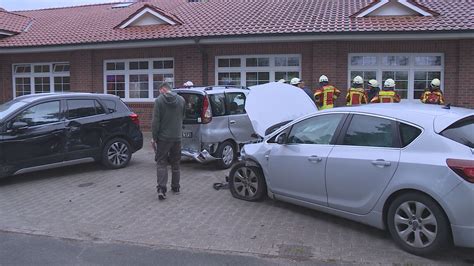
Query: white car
pixel 408 168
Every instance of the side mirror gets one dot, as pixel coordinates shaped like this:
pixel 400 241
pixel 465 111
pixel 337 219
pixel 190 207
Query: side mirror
pixel 16 126
pixel 281 139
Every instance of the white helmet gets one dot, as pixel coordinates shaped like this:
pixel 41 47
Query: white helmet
pixel 389 83
pixel 435 82
pixel 295 81
pixel 358 80
pixel 282 81
pixel 323 78
pixel 373 83
pixel 188 84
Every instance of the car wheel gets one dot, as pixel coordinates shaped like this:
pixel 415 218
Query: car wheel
pixel 247 182
pixel 116 153
pixel 226 154
pixel 418 224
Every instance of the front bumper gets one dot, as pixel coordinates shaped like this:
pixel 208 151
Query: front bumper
pixel 202 157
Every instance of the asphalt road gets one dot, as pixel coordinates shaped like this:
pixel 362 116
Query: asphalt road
pixel 23 249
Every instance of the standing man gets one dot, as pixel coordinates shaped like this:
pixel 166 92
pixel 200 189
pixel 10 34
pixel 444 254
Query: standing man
pixel 167 125
pixel 356 94
pixel 300 84
pixel 373 89
pixel 387 94
pixel 433 95
pixel 326 95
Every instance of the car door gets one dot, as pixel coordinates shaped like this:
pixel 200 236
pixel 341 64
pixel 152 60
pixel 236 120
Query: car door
pixel 239 122
pixel 39 142
pixel 85 128
pixel 192 122
pixel 362 163
pixel 297 168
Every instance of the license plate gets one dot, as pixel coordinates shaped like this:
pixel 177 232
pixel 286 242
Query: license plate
pixel 187 134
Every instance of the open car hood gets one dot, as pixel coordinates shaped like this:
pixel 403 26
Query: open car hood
pixel 274 103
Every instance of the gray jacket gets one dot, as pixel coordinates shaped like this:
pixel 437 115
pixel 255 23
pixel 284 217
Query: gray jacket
pixel 168 114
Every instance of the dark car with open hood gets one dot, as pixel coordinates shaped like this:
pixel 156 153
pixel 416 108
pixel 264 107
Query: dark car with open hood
pixel 43 131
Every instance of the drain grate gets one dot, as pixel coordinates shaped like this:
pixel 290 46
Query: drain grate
pixel 295 251
pixel 86 184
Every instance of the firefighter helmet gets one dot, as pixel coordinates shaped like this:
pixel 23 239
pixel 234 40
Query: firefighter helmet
pixel 358 80
pixel 323 78
pixel 295 81
pixel 389 83
pixel 188 84
pixel 282 81
pixel 435 83
pixel 373 83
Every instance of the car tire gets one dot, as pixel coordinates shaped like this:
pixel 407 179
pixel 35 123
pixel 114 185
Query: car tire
pixel 418 224
pixel 226 155
pixel 116 153
pixel 247 182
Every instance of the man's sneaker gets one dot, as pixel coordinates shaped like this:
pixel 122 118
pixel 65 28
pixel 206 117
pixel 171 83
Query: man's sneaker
pixel 161 195
pixel 175 190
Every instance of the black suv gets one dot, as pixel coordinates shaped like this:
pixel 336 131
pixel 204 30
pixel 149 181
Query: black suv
pixel 45 131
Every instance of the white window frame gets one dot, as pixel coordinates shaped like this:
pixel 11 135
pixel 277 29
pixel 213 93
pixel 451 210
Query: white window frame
pixel 127 72
pixel 243 66
pixel 32 75
pixel 411 68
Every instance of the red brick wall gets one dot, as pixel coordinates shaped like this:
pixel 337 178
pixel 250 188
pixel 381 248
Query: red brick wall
pixel 325 57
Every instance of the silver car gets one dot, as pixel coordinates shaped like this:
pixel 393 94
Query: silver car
pixel 216 124
pixel 408 168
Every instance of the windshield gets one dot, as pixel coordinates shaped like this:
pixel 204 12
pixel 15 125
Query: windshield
pixel 9 107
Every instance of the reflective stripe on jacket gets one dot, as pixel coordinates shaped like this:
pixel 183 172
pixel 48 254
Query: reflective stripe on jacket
pixel 386 97
pixel 432 97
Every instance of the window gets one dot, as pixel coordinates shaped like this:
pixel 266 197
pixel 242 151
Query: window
pixel 83 108
pixel 40 78
pixel 41 114
pixel 235 103
pixel 138 79
pixel 461 132
pixel 412 72
pixel 193 107
pixel 217 104
pixel 111 105
pixel 250 70
pixel 315 130
pixel 369 131
pixel 408 134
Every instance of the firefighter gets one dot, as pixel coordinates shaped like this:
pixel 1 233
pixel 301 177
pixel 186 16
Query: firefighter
pixel 373 89
pixel 326 95
pixel 433 95
pixel 356 94
pixel 188 84
pixel 387 94
pixel 300 84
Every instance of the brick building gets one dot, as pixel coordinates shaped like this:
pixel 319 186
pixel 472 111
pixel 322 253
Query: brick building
pixel 128 49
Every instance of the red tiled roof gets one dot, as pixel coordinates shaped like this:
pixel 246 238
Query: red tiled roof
pixel 219 18
pixel 13 23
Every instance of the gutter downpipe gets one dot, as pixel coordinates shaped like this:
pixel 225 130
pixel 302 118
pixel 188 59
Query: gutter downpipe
pixel 205 64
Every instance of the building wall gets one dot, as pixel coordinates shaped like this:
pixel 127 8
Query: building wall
pixel 198 64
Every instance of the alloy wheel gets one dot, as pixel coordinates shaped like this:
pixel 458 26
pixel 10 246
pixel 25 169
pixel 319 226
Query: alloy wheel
pixel 415 224
pixel 245 182
pixel 228 155
pixel 117 153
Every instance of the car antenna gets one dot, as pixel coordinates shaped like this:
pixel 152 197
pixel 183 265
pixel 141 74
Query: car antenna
pixel 447 106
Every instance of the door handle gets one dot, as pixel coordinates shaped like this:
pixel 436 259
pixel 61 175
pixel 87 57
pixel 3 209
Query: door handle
pixel 232 122
pixel 314 159
pixel 381 163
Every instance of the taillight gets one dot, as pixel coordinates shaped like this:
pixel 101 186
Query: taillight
pixel 464 168
pixel 134 118
pixel 206 115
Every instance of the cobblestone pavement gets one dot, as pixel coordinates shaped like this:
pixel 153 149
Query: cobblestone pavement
pixel 88 202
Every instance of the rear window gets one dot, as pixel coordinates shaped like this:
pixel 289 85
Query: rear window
pixel 461 131
pixel 217 104
pixel 110 105
pixel 193 103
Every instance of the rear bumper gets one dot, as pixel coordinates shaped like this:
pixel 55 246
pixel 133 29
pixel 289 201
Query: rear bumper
pixel 202 157
pixel 137 141
pixel 463 236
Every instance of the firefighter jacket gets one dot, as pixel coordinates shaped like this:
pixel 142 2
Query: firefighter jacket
pixel 432 97
pixel 326 96
pixel 356 96
pixel 386 96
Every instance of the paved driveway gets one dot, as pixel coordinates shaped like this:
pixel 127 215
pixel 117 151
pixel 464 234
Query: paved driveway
pixel 90 203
